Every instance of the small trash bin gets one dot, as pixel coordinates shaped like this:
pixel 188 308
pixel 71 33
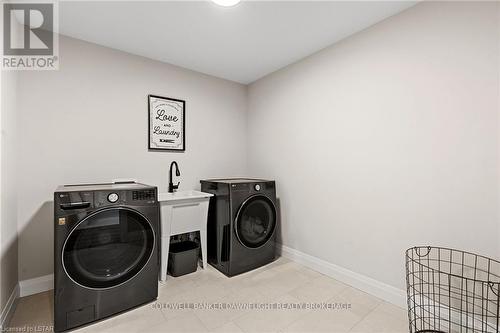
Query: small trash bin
pixel 183 258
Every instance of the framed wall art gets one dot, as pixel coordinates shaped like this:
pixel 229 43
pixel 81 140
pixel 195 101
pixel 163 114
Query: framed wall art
pixel 166 123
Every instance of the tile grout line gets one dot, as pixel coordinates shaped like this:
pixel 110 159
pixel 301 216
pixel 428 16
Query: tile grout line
pixel 364 317
pixel 309 311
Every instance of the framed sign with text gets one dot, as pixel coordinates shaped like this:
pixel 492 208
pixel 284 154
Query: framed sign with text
pixel 166 123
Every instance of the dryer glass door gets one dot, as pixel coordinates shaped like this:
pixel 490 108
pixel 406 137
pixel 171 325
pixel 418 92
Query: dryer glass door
pixel 255 221
pixel 108 248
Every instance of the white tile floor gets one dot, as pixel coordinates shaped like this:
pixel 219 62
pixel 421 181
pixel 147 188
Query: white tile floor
pixel 282 282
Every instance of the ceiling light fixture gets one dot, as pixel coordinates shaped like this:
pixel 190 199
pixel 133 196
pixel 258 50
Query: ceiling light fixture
pixel 226 3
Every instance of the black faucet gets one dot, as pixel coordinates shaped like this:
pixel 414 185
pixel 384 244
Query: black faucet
pixel 171 186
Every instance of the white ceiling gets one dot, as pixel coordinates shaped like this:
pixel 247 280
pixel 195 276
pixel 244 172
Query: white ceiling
pixel 241 43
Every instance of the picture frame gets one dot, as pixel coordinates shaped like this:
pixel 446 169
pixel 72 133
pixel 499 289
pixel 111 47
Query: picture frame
pixel 167 123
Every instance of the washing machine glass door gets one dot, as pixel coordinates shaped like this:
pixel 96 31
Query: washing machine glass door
pixel 255 221
pixel 108 248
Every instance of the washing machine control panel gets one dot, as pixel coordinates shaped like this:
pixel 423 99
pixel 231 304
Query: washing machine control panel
pixel 125 197
pixel 72 202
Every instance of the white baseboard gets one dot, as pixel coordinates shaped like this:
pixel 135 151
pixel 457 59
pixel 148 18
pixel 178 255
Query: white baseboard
pixel 36 285
pixel 24 288
pixel 371 286
pixel 9 308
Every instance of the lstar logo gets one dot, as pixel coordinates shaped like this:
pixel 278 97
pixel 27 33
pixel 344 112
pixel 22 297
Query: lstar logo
pixel 29 36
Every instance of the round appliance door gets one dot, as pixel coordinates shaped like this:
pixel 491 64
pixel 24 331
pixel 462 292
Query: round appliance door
pixel 255 221
pixel 108 248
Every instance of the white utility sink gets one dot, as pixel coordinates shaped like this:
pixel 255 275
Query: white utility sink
pixel 183 195
pixel 182 212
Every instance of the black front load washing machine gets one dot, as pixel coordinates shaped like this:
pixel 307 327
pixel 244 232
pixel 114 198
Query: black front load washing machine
pixel 105 252
pixel 242 221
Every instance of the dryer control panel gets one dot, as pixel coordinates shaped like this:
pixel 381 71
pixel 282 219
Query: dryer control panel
pixel 253 187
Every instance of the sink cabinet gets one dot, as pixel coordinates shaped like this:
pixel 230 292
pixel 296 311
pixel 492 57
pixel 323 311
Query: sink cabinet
pixel 180 213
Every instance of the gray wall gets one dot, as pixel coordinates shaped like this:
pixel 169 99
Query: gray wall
pixel 387 140
pixel 8 189
pixel 383 141
pixel 88 122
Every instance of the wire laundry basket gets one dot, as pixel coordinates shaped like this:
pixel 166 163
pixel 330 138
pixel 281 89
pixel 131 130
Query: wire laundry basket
pixel 452 291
